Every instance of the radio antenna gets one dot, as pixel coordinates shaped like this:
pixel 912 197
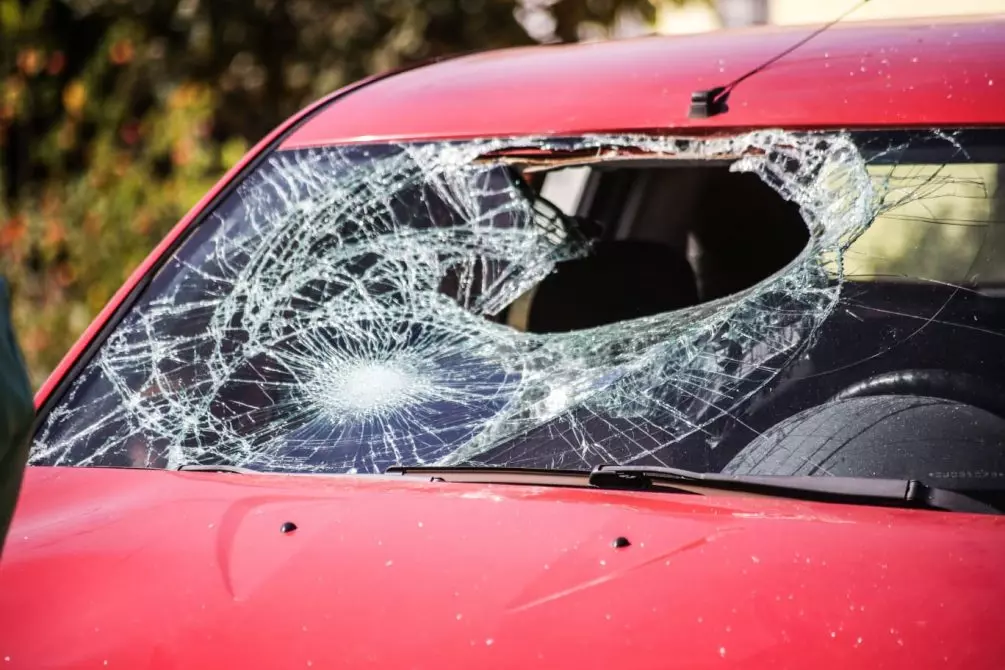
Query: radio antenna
pixel 712 102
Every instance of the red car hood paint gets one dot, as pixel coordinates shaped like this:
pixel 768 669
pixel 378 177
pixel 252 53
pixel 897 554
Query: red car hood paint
pixel 155 569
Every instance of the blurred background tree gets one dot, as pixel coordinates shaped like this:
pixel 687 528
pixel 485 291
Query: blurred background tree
pixel 117 115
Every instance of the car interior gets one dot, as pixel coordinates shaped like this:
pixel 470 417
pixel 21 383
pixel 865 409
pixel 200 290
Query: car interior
pixel 665 239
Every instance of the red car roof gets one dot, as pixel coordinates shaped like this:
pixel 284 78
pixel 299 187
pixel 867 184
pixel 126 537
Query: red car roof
pixel 945 73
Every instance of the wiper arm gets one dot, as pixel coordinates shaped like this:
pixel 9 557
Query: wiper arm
pixel 191 467
pixel 849 490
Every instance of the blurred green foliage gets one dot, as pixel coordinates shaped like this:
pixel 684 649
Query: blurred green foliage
pixel 117 115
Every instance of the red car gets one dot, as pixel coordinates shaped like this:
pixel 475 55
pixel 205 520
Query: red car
pixel 662 353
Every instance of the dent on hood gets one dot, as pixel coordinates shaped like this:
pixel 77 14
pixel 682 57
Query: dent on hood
pixel 324 340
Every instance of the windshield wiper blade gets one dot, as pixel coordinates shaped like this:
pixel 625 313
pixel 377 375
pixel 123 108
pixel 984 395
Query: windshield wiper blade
pixel 848 490
pixel 191 467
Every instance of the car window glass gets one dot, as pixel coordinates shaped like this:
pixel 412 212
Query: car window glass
pixel 349 308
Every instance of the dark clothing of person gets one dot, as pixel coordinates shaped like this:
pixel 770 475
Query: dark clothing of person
pixel 16 414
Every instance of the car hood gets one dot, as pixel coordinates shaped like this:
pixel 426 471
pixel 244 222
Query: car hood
pixel 158 569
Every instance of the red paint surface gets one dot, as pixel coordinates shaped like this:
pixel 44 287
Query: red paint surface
pixel 157 569
pixel 857 75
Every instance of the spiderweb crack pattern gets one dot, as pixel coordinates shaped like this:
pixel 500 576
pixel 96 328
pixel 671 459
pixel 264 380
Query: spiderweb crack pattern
pixel 331 317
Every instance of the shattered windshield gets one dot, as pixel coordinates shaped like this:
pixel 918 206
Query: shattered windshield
pixel 350 308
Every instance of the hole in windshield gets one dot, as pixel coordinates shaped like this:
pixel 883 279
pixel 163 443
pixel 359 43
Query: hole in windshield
pixel 660 238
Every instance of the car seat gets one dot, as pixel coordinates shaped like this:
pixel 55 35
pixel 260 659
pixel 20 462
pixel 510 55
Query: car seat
pixel 619 280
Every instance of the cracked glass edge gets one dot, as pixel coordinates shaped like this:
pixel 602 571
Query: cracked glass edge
pixel 326 343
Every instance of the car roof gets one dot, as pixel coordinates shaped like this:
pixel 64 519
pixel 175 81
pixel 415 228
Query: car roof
pixel 918 73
